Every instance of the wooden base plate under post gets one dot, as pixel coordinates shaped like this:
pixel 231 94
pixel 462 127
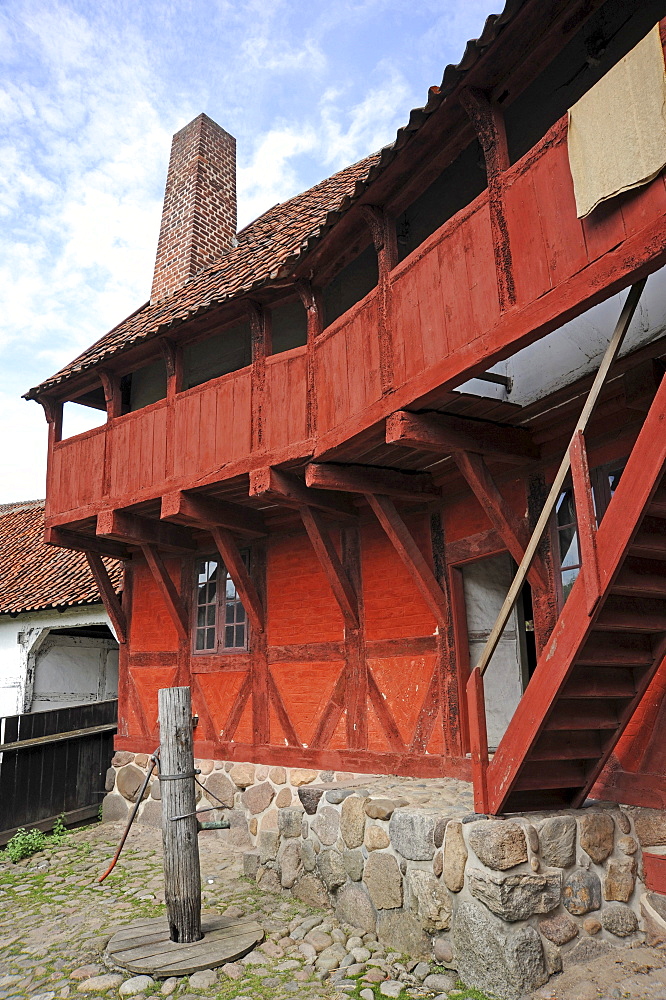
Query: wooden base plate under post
pixel 144 947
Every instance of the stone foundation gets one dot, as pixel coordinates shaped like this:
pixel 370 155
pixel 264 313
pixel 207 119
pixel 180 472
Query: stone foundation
pixel 503 901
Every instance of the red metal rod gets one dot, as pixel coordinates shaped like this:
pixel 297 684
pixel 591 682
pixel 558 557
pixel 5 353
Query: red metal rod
pixel 138 802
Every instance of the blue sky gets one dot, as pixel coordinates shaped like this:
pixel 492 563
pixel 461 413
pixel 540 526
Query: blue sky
pixel 90 95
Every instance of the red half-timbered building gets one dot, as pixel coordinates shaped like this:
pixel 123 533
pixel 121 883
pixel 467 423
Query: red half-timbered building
pixel 329 437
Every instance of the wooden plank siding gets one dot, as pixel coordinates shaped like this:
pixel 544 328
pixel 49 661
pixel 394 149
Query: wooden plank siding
pixel 285 410
pixel 444 319
pixel 212 425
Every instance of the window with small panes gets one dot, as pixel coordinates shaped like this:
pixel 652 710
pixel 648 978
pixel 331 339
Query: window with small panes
pixel 220 620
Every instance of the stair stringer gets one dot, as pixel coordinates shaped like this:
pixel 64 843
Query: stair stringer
pixel 621 522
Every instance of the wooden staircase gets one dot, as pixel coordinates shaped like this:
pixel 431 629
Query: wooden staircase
pixel 603 652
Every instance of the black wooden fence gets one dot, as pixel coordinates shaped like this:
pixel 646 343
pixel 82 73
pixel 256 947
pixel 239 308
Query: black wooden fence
pixel 53 764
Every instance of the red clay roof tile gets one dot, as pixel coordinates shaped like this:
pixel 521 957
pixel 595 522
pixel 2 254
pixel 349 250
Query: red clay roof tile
pixel 35 576
pixel 281 235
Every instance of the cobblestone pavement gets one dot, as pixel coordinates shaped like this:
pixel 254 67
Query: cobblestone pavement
pixel 638 973
pixel 55 921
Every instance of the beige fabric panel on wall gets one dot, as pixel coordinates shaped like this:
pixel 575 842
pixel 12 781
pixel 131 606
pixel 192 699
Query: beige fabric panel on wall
pixel 617 130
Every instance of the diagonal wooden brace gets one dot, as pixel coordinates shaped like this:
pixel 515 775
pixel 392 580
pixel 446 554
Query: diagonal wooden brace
pixel 586 520
pixel 411 555
pixel 331 565
pixel 235 566
pixel 512 531
pixel 108 595
pixel 168 590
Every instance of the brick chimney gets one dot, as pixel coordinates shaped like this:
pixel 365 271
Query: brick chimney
pixel 199 214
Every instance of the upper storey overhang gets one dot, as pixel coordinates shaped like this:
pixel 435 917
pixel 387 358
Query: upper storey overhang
pixel 297 238
pixel 503 271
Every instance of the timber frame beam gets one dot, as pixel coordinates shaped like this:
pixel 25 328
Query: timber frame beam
pixel 368 479
pixel 511 529
pixel 66 539
pixel 288 489
pixel 335 572
pixel 467 441
pixel 204 512
pixel 487 119
pixel 108 595
pixel 235 566
pixel 168 589
pixel 445 434
pixel 414 560
pixel 135 530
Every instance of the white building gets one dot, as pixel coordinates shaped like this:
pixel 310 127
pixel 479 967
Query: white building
pixel 57 646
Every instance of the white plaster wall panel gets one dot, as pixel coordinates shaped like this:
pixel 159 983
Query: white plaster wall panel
pixel 111 686
pixel 69 670
pixel 21 635
pixel 486 582
pixel 576 349
pixel 11 668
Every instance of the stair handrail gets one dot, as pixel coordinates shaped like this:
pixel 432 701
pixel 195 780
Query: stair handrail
pixel 614 345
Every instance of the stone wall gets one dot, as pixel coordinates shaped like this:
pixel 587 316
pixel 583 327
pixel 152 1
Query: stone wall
pixel 503 901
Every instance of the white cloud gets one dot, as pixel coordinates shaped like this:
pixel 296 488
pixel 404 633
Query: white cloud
pixel 24 435
pixel 271 177
pixel 90 95
pixel 366 126
pixel 86 155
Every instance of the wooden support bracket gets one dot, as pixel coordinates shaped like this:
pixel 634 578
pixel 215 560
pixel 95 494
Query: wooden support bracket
pixel 260 328
pixel 313 304
pixel 260 337
pixel 168 590
pixel 291 491
pixel 367 479
pixel 384 236
pixel 108 595
pixel 112 394
pixel 135 530
pixel 331 565
pixel 168 349
pixel 488 121
pixel 207 512
pixel 444 434
pixel 233 561
pixel 513 532
pixel 411 555
pixel 586 520
pixel 53 413
pixel 66 539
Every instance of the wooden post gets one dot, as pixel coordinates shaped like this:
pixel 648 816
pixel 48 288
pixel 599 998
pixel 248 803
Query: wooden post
pixel 478 739
pixel 586 519
pixel 182 875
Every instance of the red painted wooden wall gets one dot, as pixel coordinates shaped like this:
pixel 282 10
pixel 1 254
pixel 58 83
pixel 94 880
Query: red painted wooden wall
pixel 305 660
pixel 444 318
